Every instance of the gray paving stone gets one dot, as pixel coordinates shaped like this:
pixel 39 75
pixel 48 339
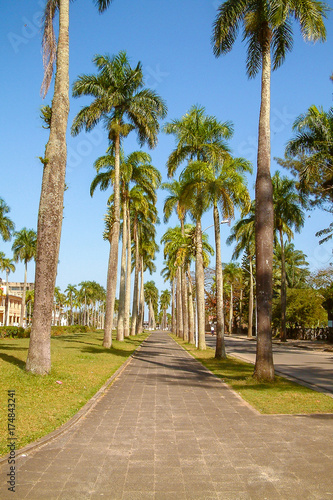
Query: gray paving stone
pixel 168 429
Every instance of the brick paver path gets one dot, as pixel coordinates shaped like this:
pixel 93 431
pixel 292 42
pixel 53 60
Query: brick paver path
pixel 168 429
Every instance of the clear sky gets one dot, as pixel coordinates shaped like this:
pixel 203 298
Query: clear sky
pixel 172 40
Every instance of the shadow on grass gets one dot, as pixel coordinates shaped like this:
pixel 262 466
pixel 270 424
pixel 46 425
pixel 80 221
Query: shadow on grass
pixel 91 347
pixel 13 360
pixel 11 347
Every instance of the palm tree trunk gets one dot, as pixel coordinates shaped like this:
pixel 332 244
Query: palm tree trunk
pixel 128 279
pixel 283 292
pixel 139 326
pixel 6 322
pixel 231 309
pixel 136 283
pixel 220 347
pixel 113 257
pixel 191 338
pixel 184 292
pixel 121 311
pixel 173 308
pixel 51 208
pixel 180 331
pixel 199 278
pixel 250 326
pixel 239 327
pixel 264 218
pixel 184 305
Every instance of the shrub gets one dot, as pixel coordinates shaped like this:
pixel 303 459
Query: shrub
pixel 14 332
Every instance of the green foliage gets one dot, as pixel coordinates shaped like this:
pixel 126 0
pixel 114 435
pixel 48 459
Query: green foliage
pixel 14 332
pixel 304 308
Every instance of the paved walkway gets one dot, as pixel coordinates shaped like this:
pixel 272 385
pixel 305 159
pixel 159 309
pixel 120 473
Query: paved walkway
pixel 168 429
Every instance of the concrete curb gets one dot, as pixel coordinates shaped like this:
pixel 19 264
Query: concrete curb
pixel 79 415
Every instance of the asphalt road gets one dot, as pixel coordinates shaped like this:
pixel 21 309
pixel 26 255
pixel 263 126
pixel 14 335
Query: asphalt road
pixel 306 366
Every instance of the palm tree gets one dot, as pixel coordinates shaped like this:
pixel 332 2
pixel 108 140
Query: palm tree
pixel 174 202
pixel 24 249
pixel 288 213
pixel 232 273
pixel 296 265
pixel 71 293
pixel 225 186
pixel 118 96
pixel 6 264
pixel 175 251
pixel 29 300
pixel 135 168
pixel 165 299
pixel 199 138
pixel 151 298
pixel 243 233
pixel 144 217
pixel 147 248
pixel 268 31
pixel 50 213
pixel 310 154
pixel 6 224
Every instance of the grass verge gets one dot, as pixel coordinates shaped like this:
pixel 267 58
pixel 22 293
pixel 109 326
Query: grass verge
pixel 281 397
pixel 79 362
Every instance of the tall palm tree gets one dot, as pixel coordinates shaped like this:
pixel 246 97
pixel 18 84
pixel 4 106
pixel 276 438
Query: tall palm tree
pixel 6 264
pixel 268 31
pixel 6 224
pixel 144 217
pixel 199 138
pixel 24 249
pixel 297 270
pixel 151 298
pixel 50 213
pixel 174 202
pixel 243 233
pixel 232 273
pixel 288 213
pixel 310 154
pixel 175 251
pixel 147 248
pixel 29 301
pixel 225 186
pixel 118 96
pixel 136 168
pixel 71 291
pixel 165 299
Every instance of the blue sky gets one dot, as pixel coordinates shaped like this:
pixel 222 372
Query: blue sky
pixel 172 40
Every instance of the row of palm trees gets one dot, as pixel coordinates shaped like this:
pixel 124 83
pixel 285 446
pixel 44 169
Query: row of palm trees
pixel 24 250
pixel 268 31
pixel 212 178
pixel 84 305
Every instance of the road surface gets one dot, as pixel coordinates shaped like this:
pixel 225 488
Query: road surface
pixel 311 367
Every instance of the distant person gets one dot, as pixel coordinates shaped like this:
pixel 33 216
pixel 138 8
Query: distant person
pixel 212 329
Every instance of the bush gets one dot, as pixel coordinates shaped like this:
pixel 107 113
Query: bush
pixel 14 332
pixel 61 330
pixel 21 333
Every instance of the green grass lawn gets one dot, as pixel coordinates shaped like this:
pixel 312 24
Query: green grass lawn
pixel 281 397
pixel 42 404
